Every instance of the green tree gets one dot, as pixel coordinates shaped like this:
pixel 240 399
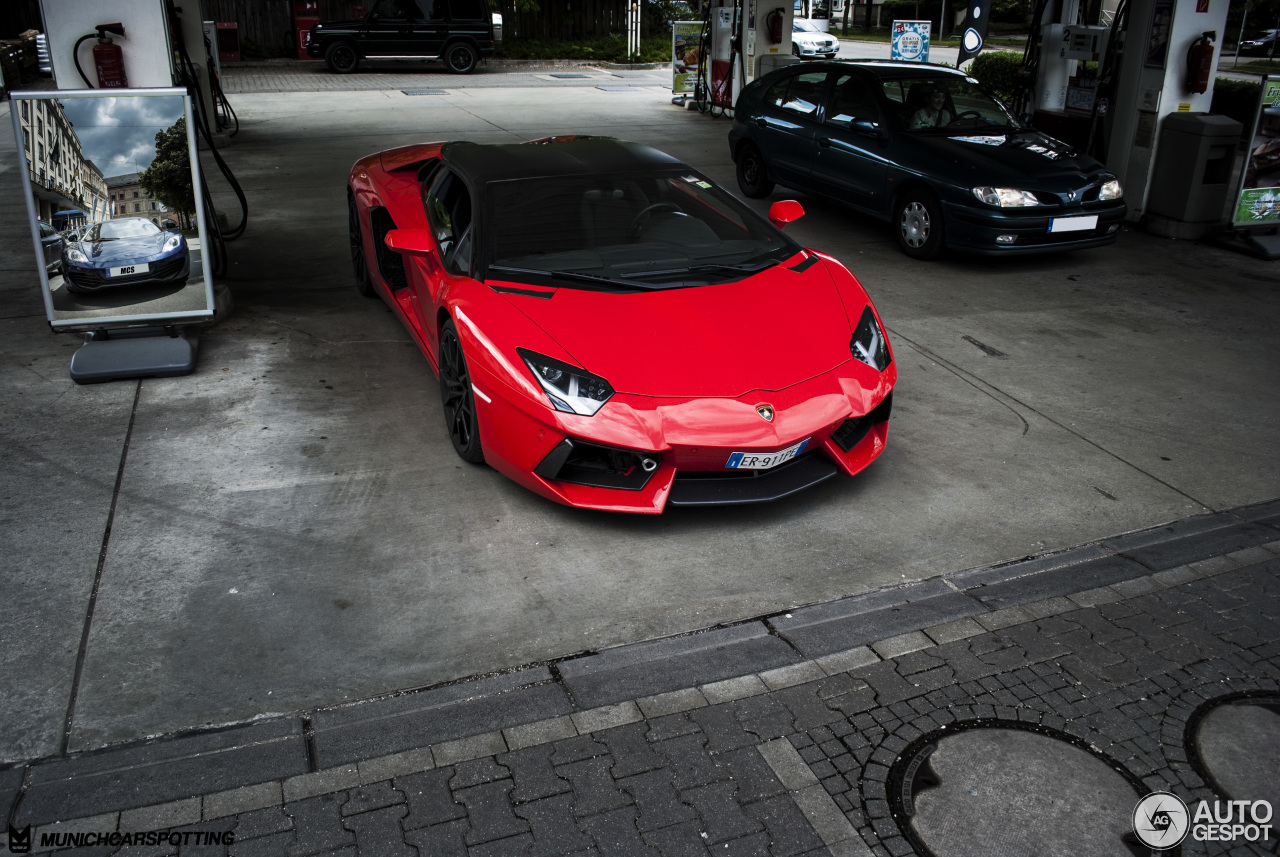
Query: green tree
pixel 168 179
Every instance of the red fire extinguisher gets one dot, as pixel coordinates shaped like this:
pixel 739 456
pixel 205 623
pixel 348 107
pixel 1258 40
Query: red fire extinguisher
pixel 1200 62
pixel 108 59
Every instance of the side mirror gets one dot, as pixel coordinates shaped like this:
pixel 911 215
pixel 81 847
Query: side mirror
pixel 866 126
pixel 784 211
pixel 411 242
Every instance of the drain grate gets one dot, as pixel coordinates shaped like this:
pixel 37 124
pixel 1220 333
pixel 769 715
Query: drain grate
pixel 425 91
pixel 569 76
pixel 617 88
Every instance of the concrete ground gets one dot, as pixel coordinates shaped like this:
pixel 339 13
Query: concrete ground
pixel 288 528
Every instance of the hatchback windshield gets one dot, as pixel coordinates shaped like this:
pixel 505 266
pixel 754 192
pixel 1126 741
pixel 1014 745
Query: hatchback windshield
pixel 641 231
pixel 951 103
pixel 133 227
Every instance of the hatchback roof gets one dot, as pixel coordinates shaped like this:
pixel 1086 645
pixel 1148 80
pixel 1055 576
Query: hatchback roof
pixel 554 156
pixel 887 68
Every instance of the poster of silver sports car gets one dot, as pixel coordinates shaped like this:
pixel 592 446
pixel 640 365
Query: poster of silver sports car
pixel 114 203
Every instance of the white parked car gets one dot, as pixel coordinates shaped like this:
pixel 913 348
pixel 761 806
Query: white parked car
pixel 809 41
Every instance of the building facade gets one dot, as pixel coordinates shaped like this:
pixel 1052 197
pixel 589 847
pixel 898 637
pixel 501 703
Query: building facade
pixel 127 198
pixel 69 190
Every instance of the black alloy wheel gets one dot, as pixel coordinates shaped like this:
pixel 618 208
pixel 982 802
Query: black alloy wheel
pixel 364 283
pixel 753 176
pixel 341 57
pixel 918 221
pixel 460 58
pixel 458 398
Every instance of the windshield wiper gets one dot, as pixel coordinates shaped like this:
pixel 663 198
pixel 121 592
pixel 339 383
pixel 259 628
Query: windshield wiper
pixel 708 268
pixel 594 279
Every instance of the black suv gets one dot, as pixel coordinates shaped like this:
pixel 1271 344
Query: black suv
pixel 456 31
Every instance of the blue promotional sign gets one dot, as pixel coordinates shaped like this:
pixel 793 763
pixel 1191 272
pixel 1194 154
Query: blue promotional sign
pixel 910 41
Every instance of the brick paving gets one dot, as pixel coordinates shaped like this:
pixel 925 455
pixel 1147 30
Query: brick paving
pixel 796 760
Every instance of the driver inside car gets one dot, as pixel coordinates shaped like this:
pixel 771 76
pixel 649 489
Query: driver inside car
pixel 934 114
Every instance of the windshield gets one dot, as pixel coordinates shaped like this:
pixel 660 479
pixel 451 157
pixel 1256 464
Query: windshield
pixel 801 26
pixel 133 227
pixel 639 231
pixel 952 104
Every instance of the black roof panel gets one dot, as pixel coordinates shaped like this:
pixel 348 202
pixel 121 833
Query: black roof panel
pixel 572 156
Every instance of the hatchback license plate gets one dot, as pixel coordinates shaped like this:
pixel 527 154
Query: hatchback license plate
pixel 1073 224
pixel 764 460
pixel 128 270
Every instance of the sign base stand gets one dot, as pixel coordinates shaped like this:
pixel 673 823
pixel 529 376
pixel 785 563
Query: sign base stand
pixel 157 352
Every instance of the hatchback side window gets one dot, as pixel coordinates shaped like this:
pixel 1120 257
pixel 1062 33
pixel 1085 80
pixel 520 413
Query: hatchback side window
pixel 798 93
pixel 851 102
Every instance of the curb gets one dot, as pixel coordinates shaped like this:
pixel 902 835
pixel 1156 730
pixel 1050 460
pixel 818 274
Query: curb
pixel 246 766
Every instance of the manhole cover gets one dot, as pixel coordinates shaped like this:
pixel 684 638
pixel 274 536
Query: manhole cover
pixel 425 91
pixel 1001 791
pixel 1238 745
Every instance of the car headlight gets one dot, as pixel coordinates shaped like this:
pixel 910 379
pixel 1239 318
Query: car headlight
pixel 1111 190
pixel 172 243
pixel 868 343
pixel 74 255
pixel 1005 197
pixel 570 389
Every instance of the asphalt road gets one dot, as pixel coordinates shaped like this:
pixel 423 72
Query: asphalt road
pixel 289 527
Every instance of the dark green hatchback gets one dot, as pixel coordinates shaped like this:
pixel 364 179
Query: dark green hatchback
pixel 926 148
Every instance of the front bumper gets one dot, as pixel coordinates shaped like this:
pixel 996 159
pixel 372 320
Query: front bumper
pixel 975 230
pixel 820 52
pixel 165 270
pixel 843 414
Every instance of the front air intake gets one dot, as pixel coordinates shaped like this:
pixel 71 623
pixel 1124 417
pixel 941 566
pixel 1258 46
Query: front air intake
pixel 851 432
pixel 598 466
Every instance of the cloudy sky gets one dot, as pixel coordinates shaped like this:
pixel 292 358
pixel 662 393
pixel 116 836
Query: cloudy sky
pixel 118 133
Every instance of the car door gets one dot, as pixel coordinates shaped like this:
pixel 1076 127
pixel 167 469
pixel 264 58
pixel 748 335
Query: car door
pixel 430 27
pixel 787 124
pixel 389 28
pixel 852 152
pixel 450 217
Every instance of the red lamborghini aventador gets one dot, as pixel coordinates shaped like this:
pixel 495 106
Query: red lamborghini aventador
pixel 613 330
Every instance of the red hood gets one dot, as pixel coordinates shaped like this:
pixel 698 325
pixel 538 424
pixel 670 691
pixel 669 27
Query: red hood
pixel 768 332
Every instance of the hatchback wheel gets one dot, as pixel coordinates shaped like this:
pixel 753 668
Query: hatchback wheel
pixel 753 176
pixel 461 58
pixel 919 223
pixel 458 398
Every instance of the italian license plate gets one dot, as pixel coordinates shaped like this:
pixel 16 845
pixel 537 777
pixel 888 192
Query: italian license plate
pixel 764 460
pixel 128 270
pixel 1073 224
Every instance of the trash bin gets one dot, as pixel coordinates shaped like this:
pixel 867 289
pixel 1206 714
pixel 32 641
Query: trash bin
pixel 1193 167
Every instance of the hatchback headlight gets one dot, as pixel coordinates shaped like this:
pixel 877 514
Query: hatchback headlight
pixel 570 389
pixel 1111 190
pixel 74 255
pixel 172 243
pixel 1005 197
pixel 868 343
